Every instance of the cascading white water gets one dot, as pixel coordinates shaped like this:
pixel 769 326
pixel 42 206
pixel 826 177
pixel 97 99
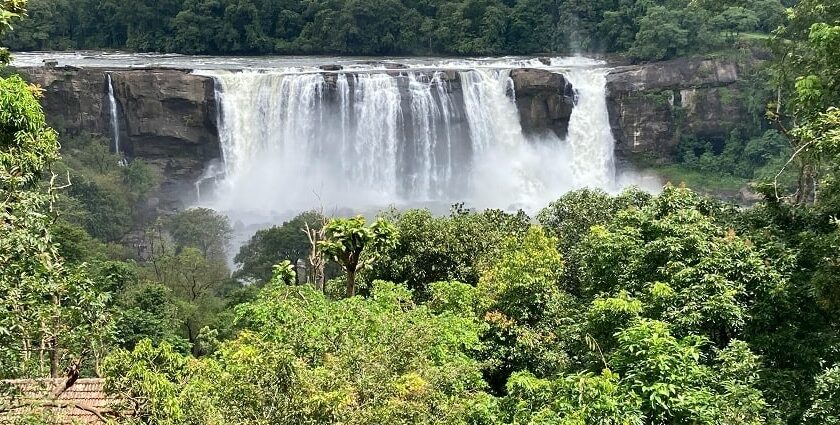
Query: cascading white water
pixel 590 137
pixel 293 140
pixel 115 123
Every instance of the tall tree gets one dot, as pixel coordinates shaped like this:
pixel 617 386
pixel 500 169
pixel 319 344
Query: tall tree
pixel 51 315
pixel 348 238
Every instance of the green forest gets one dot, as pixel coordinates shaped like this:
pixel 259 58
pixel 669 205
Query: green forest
pixel 628 309
pixel 643 29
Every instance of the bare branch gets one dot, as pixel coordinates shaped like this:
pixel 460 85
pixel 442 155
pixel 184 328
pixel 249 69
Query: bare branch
pixel 792 157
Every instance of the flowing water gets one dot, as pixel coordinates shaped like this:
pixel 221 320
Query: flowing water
pixel 115 122
pixel 434 133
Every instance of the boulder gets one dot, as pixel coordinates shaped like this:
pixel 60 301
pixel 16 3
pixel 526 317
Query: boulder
pixel 545 100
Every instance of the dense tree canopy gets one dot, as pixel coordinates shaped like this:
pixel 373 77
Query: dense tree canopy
pixel 645 29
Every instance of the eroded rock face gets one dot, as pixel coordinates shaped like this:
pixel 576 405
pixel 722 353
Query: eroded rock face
pixel 652 105
pixel 167 113
pixel 74 99
pixel 166 116
pixel 545 100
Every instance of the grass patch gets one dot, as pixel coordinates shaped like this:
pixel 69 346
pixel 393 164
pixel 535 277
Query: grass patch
pixel 698 180
pixel 754 36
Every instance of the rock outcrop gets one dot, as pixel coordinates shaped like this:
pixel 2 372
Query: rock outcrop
pixel 166 116
pixel 652 105
pixel 545 100
pixel 169 119
pixel 74 99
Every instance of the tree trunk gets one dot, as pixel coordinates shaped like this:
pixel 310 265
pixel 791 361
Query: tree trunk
pixel 54 358
pixel 351 284
pixel 55 352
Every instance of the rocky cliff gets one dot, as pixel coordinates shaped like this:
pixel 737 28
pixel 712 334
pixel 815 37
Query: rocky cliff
pixel 652 105
pixel 166 116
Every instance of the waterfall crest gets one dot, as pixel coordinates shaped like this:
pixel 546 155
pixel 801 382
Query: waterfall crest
pixel 292 140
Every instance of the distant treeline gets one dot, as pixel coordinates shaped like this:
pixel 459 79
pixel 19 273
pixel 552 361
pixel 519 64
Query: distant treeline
pixel 644 29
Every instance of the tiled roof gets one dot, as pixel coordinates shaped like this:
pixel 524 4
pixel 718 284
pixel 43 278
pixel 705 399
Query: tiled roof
pixel 76 404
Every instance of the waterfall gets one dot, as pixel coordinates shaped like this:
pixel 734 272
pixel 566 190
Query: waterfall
pixel 590 137
pixel 292 140
pixel 115 122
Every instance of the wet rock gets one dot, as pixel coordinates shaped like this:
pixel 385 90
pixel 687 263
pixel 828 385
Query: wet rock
pixel 545 100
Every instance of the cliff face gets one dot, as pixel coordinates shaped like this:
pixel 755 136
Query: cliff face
pixel 545 100
pixel 166 116
pixel 652 105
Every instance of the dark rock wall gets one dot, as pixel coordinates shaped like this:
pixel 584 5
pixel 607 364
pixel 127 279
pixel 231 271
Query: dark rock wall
pixel 74 99
pixel 652 105
pixel 166 116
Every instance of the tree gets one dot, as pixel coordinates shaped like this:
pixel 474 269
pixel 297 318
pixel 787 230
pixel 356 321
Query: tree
pixel 674 256
pixel 825 402
pixel 268 247
pixel 303 358
pixel 735 20
pixel 51 315
pixel 525 308
pixel 433 249
pixel 10 10
pixel 347 239
pixel 675 385
pixel 808 86
pixel 203 229
pixel 578 399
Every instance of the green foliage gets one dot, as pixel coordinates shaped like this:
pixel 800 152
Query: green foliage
pixel 105 199
pixel 432 249
pixel 27 145
pixel 147 311
pixel 757 158
pixel 647 29
pixel 10 10
pixel 306 359
pixel 347 239
pixel 270 246
pixel 825 403
pixel 689 270
pixel 579 399
pixel 674 384
pixel 203 229
pixel 51 314
pixel 572 216
pixel 151 376
pixel 807 75
pixel 525 308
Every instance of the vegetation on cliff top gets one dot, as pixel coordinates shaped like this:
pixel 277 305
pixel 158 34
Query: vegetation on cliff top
pixel 647 30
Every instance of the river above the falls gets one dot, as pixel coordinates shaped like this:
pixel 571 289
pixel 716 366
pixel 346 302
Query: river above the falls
pixel 92 59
